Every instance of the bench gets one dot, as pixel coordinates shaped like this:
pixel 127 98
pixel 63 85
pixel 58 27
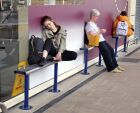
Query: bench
pixel 26 72
pixel 86 49
pixel 32 68
pixel 3 108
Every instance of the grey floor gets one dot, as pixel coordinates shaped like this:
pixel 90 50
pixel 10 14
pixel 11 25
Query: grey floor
pixel 99 92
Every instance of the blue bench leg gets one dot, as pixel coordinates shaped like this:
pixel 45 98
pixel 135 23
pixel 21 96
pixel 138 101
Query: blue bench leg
pixel 125 43
pixel 55 86
pixel 116 46
pixel 85 62
pixel 100 60
pixel 26 105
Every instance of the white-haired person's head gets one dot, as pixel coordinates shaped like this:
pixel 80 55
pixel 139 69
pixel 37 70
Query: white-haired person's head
pixel 94 12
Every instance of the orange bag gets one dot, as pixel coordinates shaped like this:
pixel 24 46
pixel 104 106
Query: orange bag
pixel 93 40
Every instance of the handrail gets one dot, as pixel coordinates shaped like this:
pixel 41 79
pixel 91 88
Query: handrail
pixel 7 16
pixel 11 6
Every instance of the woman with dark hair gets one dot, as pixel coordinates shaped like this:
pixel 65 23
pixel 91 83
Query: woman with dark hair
pixel 55 42
pixel 123 18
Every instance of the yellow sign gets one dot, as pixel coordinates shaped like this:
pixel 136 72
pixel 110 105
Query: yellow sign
pixel 18 87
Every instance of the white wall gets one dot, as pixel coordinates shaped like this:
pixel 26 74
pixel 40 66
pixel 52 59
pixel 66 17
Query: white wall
pixel 132 13
pixel 132 10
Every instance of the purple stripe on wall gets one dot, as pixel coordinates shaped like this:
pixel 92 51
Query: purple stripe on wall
pixel 64 15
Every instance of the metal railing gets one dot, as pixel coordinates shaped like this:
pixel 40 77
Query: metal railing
pixel 11 4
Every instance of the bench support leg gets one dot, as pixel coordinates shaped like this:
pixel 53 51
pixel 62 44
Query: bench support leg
pixel 125 43
pixel 26 105
pixel 85 62
pixel 136 40
pixel 116 46
pixel 100 60
pixel 55 86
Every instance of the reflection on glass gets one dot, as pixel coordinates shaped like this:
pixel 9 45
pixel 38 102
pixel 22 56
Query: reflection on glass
pixel 39 2
pixel 55 2
pixel 8 46
pixel 70 2
pixel 8 63
pixel 8 20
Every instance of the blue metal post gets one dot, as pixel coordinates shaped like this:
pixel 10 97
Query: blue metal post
pixel 55 86
pixel 26 94
pixel 116 45
pixel 125 43
pixel 100 58
pixel 85 61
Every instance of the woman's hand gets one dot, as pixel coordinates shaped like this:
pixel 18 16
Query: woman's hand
pixel 58 56
pixel 102 30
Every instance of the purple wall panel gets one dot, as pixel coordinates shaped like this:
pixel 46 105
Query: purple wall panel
pixel 63 15
pixel 72 17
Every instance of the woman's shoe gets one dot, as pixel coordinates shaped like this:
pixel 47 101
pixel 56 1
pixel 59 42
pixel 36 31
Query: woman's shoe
pixel 116 71
pixel 120 68
pixel 49 58
pixel 42 61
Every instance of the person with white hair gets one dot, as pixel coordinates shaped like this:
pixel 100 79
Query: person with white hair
pixel 106 50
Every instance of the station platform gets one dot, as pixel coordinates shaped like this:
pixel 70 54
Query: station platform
pixel 99 92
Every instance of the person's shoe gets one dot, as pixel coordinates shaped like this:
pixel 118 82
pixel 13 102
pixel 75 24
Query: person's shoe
pixel 49 58
pixel 116 71
pixel 120 68
pixel 42 61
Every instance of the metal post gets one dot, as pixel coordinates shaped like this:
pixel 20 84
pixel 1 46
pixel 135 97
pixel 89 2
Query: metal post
pixel 55 86
pixel 136 40
pixel 85 61
pixel 116 46
pixel 26 105
pixel 125 43
pixel 100 60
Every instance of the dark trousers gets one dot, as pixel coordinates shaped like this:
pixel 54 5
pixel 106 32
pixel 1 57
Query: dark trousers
pixel 108 55
pixel 52 51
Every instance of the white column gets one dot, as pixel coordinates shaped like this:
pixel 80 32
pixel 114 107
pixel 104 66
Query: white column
pixel 132 14
pixel 132 10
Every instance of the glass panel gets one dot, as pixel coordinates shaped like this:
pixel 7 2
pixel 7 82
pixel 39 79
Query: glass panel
pixel 39 2
pixel 70 2
pixel 54 2
pixel 10 38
